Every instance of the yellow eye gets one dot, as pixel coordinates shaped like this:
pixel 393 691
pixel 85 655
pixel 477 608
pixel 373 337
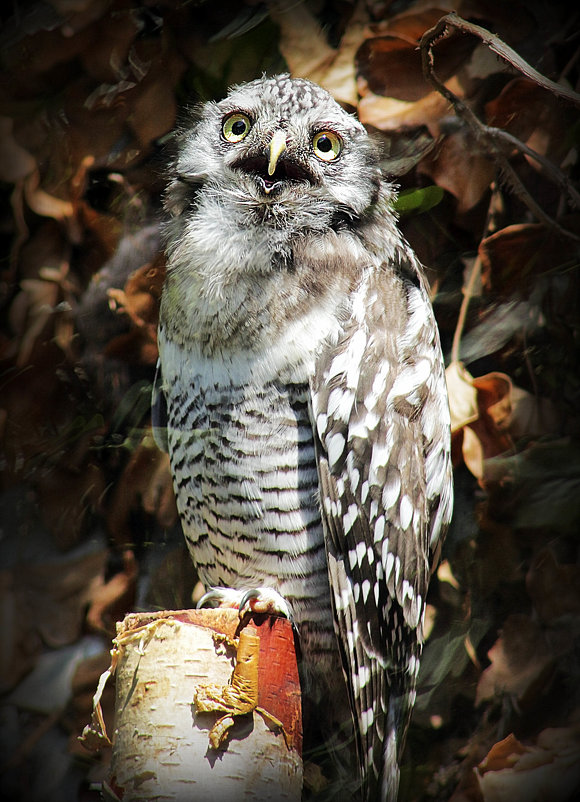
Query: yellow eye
pixel 327 145
pixel 236 126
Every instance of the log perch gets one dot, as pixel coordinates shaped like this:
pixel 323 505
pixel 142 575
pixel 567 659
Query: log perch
pixel 205 709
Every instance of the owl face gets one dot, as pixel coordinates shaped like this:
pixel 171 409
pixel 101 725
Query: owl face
pixel 273 144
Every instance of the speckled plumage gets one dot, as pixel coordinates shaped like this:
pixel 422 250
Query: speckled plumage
pixel 307 418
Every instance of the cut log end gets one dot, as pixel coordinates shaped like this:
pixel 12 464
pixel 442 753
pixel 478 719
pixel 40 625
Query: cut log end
pixel 192 721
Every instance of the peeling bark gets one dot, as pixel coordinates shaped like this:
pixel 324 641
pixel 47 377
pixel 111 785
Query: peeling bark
pixel 161 746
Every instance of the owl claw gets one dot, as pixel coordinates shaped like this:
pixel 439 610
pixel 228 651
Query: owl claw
pixel 256 600
pixel 225 597
pixel 264 600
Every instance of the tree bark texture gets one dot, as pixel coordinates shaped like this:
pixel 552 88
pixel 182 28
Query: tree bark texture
pixel 171 667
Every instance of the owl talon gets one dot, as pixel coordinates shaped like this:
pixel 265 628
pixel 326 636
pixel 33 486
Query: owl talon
pixel 265 600
pixel 255 600
pixel 225 597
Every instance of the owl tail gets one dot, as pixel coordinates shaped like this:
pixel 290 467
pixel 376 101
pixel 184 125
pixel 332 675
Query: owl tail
pixel 397 722
pixel 392 748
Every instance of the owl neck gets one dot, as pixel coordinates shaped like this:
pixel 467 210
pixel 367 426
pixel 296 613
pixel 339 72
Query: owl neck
pixel 237 286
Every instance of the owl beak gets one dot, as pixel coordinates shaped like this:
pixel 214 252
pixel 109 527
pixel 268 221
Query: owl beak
pixel 277 147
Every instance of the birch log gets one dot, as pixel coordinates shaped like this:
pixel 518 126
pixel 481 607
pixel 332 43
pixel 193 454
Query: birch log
pixel 161 742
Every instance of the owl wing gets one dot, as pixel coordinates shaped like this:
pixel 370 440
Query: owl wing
pixel 380 412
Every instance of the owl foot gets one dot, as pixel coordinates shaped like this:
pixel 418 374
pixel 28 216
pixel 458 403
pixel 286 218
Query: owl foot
pixel 255 600
pixel 240 696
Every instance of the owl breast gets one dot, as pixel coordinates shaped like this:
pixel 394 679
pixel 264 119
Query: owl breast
pixel 245 474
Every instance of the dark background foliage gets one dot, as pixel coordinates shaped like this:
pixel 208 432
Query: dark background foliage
pixel 488 170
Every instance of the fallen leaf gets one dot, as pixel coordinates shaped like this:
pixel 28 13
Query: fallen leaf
pixel 481 415
pixel 15 162
pixel 513 772
pixel 308 54
pixel 533 115
pixel 461 168
pixel 462 396
pixel 502 755
pixel 514 256
pixel 110 600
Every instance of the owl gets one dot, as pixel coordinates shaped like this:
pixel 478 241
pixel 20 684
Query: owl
pixel 301 396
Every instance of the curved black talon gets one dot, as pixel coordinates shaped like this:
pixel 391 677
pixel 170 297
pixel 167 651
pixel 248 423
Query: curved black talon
pixel 212 595
pixel 248 595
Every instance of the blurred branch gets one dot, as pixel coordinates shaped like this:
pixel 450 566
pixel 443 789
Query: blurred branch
pixel 492 139
pixel 452 20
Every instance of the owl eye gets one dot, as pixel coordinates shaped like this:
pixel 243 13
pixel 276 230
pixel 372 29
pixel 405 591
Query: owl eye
pixel 236 126
pixel 327 145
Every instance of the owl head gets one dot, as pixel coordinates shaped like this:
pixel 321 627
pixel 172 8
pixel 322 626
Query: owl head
pixel 273 147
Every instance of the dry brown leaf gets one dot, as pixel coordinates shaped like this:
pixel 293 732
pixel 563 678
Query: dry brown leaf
pixel 480 416
pixel 411 24
pixel 155 90
pixel 502 755
pixel 533 115
pixel 390 114
pixel 140 301
pixel 35 305
pixel 15 162
pixel 532 416
pixel 520 660
pixel 67 495
pixel 458 166
pixel 111 599
pixel 513 256
pixel 158 496
pixel 44 204
pixel 50 598
pixel 550 770
pixel 462 396
pixel 142 293
pixel 107 59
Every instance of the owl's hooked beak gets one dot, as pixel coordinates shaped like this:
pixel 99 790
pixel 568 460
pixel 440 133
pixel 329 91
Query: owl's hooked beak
pixel 274 166
pixel 277 147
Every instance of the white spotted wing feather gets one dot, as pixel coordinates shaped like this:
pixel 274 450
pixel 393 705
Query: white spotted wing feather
pixel 380 411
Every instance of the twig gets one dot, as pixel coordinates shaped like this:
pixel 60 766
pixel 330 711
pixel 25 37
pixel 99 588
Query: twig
pixel 462 316
pixel 469 287
pixel 439 31
pixel 492 139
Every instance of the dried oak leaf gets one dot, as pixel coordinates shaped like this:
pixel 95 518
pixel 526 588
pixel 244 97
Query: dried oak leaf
pixel 47 603
pixel 391 63
pixel 534 116
pixel 513 772
pixel 67 494
pixel 513 256
pixel 460 168
pixel 111 599
pixel 480 416
pixel 140 301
